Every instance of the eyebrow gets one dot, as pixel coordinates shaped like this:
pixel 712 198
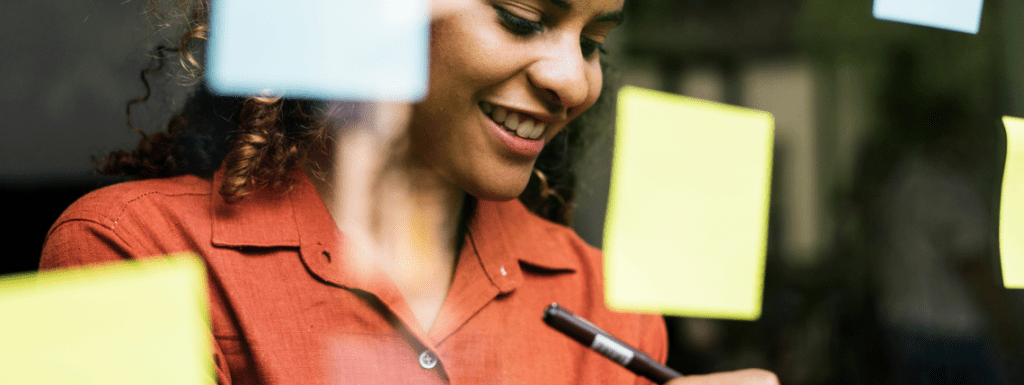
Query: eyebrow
pixel 612 17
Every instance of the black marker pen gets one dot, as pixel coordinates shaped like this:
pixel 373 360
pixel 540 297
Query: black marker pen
pixel 600 341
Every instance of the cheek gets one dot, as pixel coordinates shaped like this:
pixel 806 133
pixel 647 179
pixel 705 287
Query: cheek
pixel 468 54
pixel 457 72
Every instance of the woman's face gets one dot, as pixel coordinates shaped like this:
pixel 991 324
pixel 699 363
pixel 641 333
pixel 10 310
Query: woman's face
pixel 505 77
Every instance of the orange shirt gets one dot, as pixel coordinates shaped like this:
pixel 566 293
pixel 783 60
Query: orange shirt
pixel 287 307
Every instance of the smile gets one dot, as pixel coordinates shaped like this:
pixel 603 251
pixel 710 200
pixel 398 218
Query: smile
pixel 522 125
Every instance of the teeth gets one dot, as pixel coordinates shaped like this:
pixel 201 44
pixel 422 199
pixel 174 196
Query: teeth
pixel 538 130
pixel 512 121
pixel 525 128
pixel 499 114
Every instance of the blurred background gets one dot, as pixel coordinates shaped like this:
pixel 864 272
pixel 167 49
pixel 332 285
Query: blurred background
pixel 882 262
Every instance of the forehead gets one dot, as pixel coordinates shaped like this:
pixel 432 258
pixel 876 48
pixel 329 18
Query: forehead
pixel 588 6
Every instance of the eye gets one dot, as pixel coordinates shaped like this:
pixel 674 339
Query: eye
pixel 588 47
pixel 517 25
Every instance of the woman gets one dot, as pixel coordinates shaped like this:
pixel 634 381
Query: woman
pixel 291 304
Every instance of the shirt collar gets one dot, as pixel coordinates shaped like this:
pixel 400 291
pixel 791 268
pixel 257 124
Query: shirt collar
pixel 265 218
pixel 503 235
pixel 294 218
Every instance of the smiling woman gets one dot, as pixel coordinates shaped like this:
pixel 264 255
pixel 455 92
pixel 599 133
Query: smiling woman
pixel 505 79
pixel 248 184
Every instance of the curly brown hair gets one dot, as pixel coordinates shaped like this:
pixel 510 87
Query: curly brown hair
pixel 259 139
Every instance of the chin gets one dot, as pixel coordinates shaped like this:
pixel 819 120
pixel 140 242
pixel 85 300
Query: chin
pixel 498 189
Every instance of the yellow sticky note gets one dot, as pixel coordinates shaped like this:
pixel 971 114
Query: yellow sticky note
pixel 1011 206
pixel 688 207
pixel 121 323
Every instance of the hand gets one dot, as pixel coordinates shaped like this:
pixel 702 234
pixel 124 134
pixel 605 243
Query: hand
pixel 369 197
pixel 738 377
pixel 371 201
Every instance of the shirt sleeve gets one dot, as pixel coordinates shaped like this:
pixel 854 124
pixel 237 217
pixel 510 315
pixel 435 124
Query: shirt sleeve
pixel 80 242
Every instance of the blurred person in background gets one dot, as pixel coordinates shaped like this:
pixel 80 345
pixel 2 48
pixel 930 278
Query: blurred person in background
pixel 942 306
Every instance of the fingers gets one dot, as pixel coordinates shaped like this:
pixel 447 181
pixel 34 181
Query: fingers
pixel 738 377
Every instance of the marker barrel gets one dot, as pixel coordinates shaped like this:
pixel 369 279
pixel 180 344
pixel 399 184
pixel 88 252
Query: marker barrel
pixel 600 341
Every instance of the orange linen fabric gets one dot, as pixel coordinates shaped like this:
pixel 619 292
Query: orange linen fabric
pixel 288 308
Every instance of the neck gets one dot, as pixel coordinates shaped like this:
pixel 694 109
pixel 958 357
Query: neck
pixel 400 210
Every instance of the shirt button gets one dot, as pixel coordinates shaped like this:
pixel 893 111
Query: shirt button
pixel 428 360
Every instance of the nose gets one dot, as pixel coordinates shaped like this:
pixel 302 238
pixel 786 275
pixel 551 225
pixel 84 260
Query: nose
pixel 561 76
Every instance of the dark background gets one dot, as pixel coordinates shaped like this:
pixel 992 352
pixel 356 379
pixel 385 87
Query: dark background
pixel 841 85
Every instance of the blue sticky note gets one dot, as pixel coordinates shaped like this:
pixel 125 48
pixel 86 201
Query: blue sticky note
pixel 955 15
pixel 319 49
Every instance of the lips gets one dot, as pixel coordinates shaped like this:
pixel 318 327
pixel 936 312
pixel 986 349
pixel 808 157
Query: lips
pixel 514 131
pixel 521 125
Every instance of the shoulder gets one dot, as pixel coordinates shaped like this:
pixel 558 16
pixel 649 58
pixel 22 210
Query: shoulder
pixel 109 204
pixel 129 220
